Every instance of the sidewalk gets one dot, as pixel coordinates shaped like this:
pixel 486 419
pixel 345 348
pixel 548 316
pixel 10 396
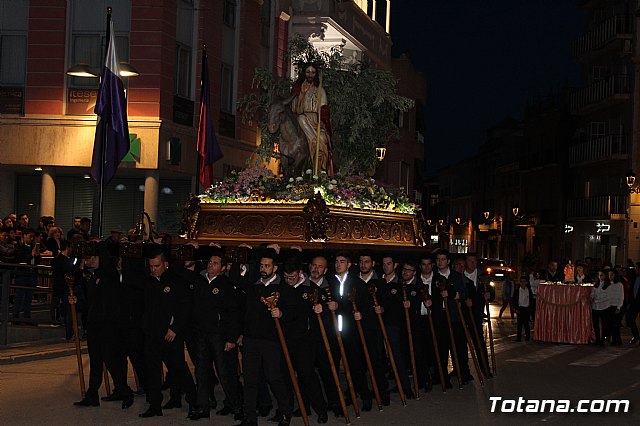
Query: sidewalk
pixel 45 349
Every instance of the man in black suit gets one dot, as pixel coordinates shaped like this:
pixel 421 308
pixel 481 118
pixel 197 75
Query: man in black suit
pixel 261 346
pixel 553 273
pixel 343 284
pixel 167 305
pixel 476 300
pixel 216 320
pixel 457 281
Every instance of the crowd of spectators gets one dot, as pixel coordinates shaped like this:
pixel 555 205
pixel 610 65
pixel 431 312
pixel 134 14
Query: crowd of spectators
pixel 23 242
pixel 615 300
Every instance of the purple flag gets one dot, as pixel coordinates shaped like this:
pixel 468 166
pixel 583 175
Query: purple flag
pixel 112 130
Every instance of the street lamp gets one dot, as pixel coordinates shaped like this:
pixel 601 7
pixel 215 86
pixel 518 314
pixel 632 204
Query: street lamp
pixel 486 215
pixel 381 152
pixel 631 180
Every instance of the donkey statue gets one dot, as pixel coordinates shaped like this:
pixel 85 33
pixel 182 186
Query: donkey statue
pixel 294 148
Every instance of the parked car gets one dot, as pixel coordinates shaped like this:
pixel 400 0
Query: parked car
pixel 497 272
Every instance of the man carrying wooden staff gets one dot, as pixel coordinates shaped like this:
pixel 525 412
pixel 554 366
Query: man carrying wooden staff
pixel 365 349
pixel 300 341
pixel 476 300
pixel 394 368
pixel 390 299
pixel 261 342
pixel 342 285
pixel 427 310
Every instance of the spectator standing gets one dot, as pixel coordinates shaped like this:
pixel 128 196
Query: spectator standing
pixel 507 295
pixel 26 252
pixel 599 305
pixel 54 240
pixel 616 299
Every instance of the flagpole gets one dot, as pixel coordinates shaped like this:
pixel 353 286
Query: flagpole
pixel 98 201
pixel 196 185
pixel 105 141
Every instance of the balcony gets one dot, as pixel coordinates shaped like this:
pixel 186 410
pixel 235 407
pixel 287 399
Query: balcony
pixel 604 148
pixel 601 207
pixel 603 35
pixel 602 93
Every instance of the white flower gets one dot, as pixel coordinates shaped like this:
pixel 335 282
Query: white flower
pixel 299 179
pixel 322 172
pixel 315 177
pixel 329 186
pixel 290 179
pixel 333 181
pixel 308 171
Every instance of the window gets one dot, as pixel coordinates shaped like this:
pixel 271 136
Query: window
pixel 183 71
pixel 91 49
pixel 226 89
pixel 13 52
pixel 598 129
pixel 229 13
pixel 265 21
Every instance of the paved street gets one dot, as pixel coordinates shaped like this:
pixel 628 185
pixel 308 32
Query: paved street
pixel 42 391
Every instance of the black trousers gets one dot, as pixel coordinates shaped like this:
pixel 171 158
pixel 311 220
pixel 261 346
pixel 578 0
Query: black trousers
pixel 303 360
pixel 632 314
pixel 424 351
pixel 209 348
pixel 104 349
pixel 523 321
pixel 263 355
pixel 446 348
pixel 398 342
pixel 324 367
pixel 172 353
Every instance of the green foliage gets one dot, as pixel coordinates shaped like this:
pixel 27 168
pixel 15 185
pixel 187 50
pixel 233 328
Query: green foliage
pixel 362 100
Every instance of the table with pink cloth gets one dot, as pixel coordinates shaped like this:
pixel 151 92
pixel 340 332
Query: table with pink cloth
pixel 563 314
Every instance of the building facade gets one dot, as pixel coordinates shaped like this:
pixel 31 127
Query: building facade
pixel 47 124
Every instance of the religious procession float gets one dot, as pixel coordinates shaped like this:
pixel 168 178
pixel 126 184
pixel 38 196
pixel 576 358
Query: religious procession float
pixel 323 195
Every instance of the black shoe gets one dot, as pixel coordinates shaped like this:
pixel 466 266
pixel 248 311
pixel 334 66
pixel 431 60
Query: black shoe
pixel 127 401
pixel 238 416
pixel 225 411
pixel 264 411
pixel 172 404
pixel 139 391
pixel 323 418
pixel 298 413
pixel 517 339
pixel 366 404
pixel 248 423
pixel 200 415
pixel 152 412
pixel 286 421
pixel 277 418
pixel 87 402
pixel 113 397
pixel 194 413
pixel 410 395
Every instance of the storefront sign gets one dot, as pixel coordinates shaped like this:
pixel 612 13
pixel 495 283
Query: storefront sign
pixel 11 100
pixel 81 101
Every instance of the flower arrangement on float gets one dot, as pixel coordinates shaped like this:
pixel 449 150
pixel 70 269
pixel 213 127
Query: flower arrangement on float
pixel 259 185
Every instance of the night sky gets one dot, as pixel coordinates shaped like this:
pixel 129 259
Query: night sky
pixel 483 61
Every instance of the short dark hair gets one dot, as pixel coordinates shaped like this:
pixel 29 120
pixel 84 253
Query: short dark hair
pixel 426 256
pixel 291 265
pixel 443 252
pixel 158 252
pixel 409 262
pixel 366 253
pixel 471 254
pixel 269 253
pixel 22 214
pixel 344 254
pixel 389 255
pixel 85 220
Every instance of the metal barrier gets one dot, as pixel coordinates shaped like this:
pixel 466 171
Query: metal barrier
pixel 42 292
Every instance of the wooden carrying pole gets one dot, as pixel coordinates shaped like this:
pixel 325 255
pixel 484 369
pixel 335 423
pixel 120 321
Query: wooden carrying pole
pixel 480 343
pixel 343 356
pixel 271 302
pixel 76 336
pixel 392 360
pixel 407 317
pixel 493 353
pixel 365 349
pixel 434 339
pixel 454 351
pixel 332 364
pixel 470 345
